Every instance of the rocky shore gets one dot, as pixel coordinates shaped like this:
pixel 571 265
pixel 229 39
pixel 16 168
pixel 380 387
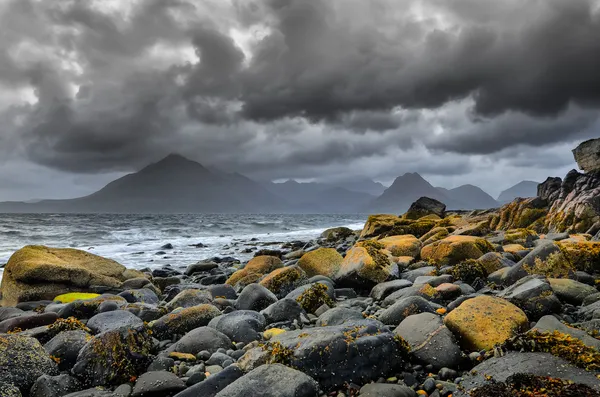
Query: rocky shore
pixel 432 303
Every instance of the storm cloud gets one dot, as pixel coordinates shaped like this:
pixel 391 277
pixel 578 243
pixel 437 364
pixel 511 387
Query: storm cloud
pixel 459 90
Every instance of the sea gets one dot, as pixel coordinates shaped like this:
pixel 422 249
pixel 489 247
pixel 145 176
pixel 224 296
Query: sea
pixel 137 240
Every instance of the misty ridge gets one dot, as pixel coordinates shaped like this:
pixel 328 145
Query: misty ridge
pixel 176 184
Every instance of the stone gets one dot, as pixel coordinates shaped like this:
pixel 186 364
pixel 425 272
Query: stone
pixel 582 255
pixel 434 281
pixel 322 352
pixel 257 267
pixel 54 386
pixel 424 291
pixel 365 265
pixel 571 291
pixel 95 392
pixel 405 245
pixel 38 272
pixel 378 224
pixel 551 324
pixel 431 343
pixel 183 321
pixel 240 326
pixel 282 281
pixel 587 155
pixel 144 295
pixel 541 364
pixel 66 346
pixel 202 266
pixel 157 384
pixel 322 261
pixel 114 357
pixel 272 380
pixel 113 320
pixel 382 290
pixel 484 321
pixel 27 321
pixel 539 253
pixel 82 309
pixel 222 291
pixel 521 213
pixel 255 297
pixel 10 312
pixel 386 390
pixel 590 312
pixel 9 390
pixel 284 310
pixel 534 296
pixel 188 298
pixel 425 206
pixel 405 307
pixel 213 384
pixel 454 249
pixel 337 233
pixel 23 360
pixel 199 339
pixel 338 316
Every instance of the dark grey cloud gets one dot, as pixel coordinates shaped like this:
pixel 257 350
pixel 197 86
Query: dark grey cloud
pixel 295 88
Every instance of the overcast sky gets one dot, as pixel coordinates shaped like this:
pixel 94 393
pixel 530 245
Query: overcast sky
pixel 462 91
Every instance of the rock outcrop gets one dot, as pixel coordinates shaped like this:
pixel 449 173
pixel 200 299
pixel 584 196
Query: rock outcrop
pixel 587 155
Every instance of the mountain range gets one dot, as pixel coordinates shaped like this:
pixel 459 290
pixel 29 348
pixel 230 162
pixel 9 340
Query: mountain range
pixel 178 185
pixel 521 189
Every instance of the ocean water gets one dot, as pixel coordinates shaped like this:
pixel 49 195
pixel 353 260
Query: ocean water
pixel 136 240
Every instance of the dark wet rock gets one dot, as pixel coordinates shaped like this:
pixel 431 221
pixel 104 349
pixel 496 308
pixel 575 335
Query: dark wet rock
pixel 434 281
pixel 213 384
pixel 183 321
pixel 222 291
pixel 161 363
pixel 284 310
pixel 66 346
pixel 542 364
pixel 202 266
pixel 199 339
pixel 163 282
pixel 386 390
pixel 217 358
pixel 542 251
pixel 412 275
pixel 430 341
pixel 189 298
pixel 32 305
pixel 424 291
pixel 405 307
pixel 551 324
pixel 255 297
pixel 534 296
pixel 136 283
pixel 383 290
pixel 10 312
pixel 108 306
pixel 157 384
pixel 240 326
pixel 425 206
pixel 95 392
pixel 321 280
pixel 112 320
pixel 27 321
pixel 23 360
pixel 322 352
pixel 590 312
pixel 87 308
pixel 274 380
pixel 114 357
pixel 571 291
pixel 123 391
pixel 338 316
pixel 143 295
pixel 54 386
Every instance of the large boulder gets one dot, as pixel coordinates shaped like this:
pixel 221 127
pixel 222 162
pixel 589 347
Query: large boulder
pixel 321 262
pixel 240 326
pixel 41 273
pixel 484 321
pixel 587 155
pixel 582 255
pixel 430 341
pixel 571 291
pixel 425 206
pixel 272 380
pixel 23 360
pixel 534 296
pixel 551 324
pixel 455 249
pixel 66 346
pixel 378 224
pixel 354 352
pixel 405 245
pixel 284 310
pixel 112 320
pixel 183 321
pixel 520 213
pixel 203 338
pixel 254 270
pixel 282 281
pixel 255 297
pixel 405 307
pixel 189 298
pixel 366 265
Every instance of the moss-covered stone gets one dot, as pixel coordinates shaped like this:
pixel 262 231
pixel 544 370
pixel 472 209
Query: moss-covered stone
pixel 336 233
pixel 406 245
pixel 435 234
pixel 520 213
pixel 455 249
pixel 513 248
pixel 321 262
pixel 315 297
pixel 365 265
pixel 528 385
pixel 183 321
pixel 417 228
pixel 583 255
pixel 254 270
pixel 484 321
pixel 378 224
pixel 41 273
pixel 283 281
pixel 469 271
pixel 520 236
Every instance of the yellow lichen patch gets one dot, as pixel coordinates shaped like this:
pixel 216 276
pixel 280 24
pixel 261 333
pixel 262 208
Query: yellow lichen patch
pixel 268 334
pixel 74 296
pixel 254 270
pixel 182 356
pixel 405 245
pixel 455 249
pixel 323 261
pixel 368 260
pixel 584 255
pixel 556 265
pixel 377 224
pixel 435 234
pixel 283 280
pixel 513 248
pixel 519 235
pixel 484 321
pixel 520 213
pixel 66 324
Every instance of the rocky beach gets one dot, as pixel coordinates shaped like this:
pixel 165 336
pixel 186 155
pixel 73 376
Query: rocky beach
pixel 432 302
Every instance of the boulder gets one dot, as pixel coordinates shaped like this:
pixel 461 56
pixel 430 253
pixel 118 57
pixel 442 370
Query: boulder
pixel 144 295
pixel 199 267
pixel 534 296
pixel 425 291
pixel 114 357
pixel 540 254
pixel 272 380
pixel 484 321
pixel 378 224
pixel 338 316
pixel 430 341
pixel 336 234
pixel 382 290
pixel 323 353
pixel 323 261
pixel 285 310
pixel 189 298
pixel 183 321
pixel 549 190
pixel 386 390
pixel 66 346
pixel 255 297
pixel 213 384
pixel 9 390
pixel 82 309
pixel 582 255
pixel 54 386
pixel 521 213
pixel 587 155
pixel 157 384
pixel 282 281
pixel 254 270
pixel 405 307
pixel 240 326
pixel 38 273
pixel 405 245
pixel 199 339
pixel 23 360
pixel 113 320
pixel 571 291
pixel 366 265
pixel 425 206
pixel 27 321
pixel 455 249
pixel 551 324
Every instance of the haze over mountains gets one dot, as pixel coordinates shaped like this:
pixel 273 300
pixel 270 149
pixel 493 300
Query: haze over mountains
pixel 521 189
pixel 178 185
